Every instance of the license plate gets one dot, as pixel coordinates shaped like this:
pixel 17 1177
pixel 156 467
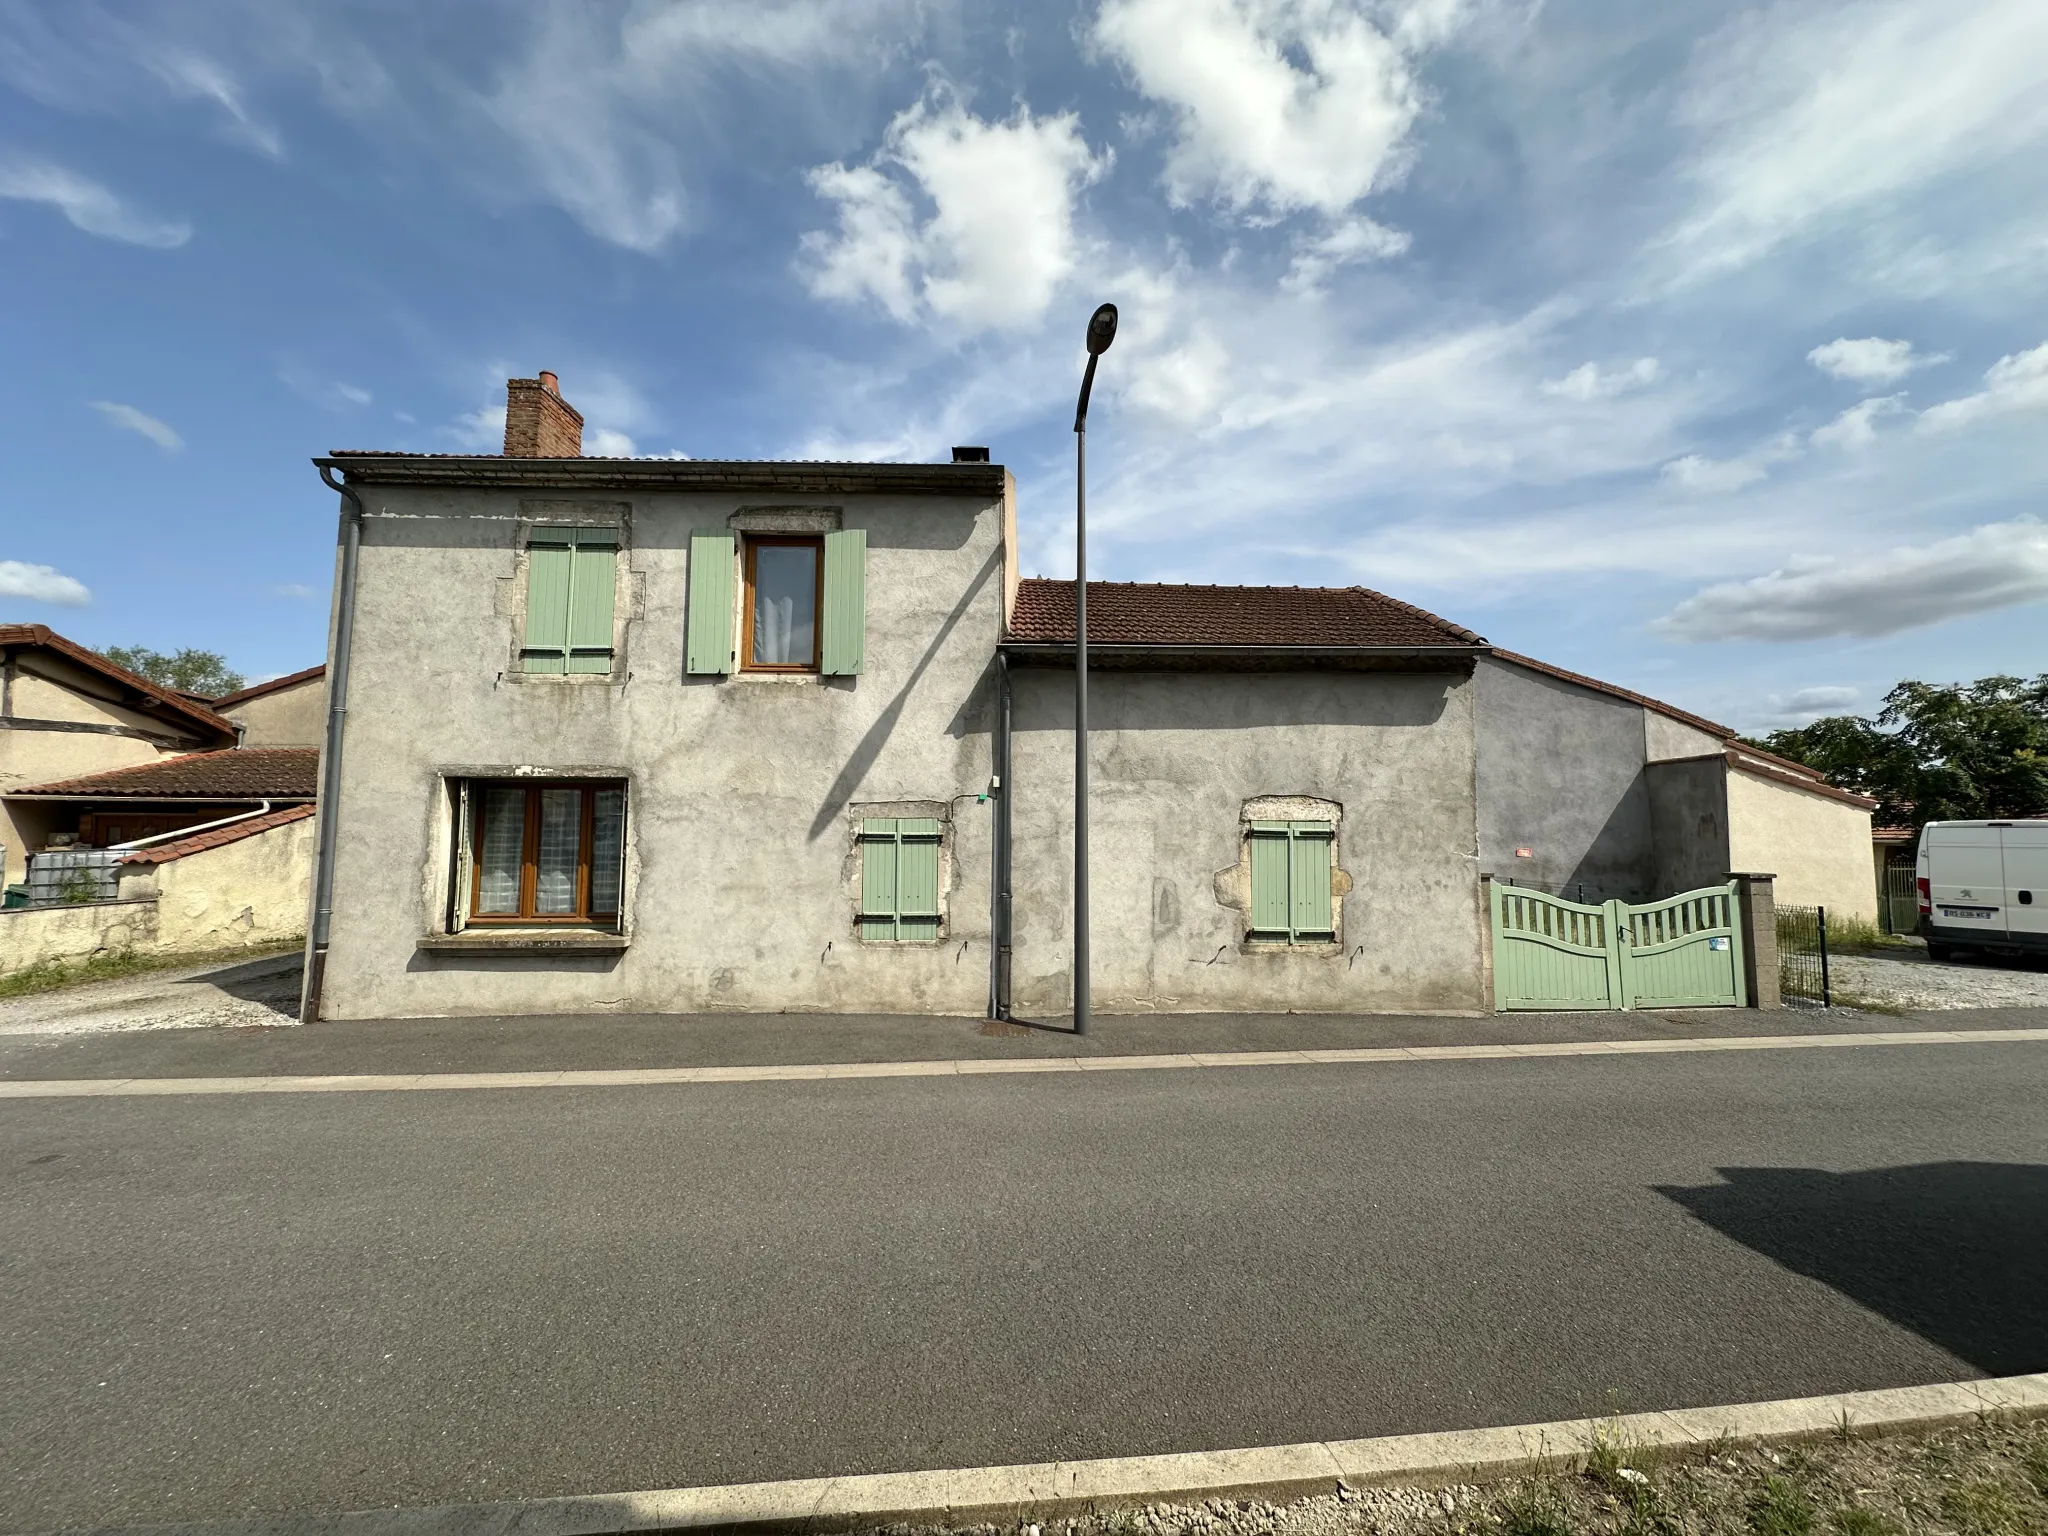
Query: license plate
pixel 1970 912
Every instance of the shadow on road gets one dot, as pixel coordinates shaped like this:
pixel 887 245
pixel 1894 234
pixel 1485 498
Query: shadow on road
pixel 271 980
pixel 1957 1252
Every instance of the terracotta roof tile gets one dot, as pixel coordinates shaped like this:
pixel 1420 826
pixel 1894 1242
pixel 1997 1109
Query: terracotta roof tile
pixel 42 636
pixel 275 685
pixel 1146 613
pixel 241 773
pixel 219 837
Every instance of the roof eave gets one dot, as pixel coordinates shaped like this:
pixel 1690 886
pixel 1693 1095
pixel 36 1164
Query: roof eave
pixel 786 477
pixel 1063 651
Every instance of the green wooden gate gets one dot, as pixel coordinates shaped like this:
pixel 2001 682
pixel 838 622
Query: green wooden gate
pixel 1682 952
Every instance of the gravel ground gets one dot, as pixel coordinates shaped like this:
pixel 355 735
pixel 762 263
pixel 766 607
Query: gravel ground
pixel 1988 1480
pixel 261 991
pixel 1908 979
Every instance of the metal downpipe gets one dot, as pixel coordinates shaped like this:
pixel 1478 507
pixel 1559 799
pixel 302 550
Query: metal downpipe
pixel 319 930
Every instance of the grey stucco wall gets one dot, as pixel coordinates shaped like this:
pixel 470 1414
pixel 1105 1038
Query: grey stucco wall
pixel 1175 758
pixel 741 886
pixel 1560 772
pixel 1689 809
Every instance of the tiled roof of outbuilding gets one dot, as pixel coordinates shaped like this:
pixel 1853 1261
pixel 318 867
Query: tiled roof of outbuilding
pixel 218 837
pixel 275 685
pixel 1147 613
pixel 239 773
pixel 192 711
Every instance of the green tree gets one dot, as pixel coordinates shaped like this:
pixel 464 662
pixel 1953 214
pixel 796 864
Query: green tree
pixel 189 671
pixel 1937 752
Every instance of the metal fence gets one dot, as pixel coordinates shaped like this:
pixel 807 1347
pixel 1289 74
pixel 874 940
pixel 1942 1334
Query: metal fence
pixel 1899 910
pixel 1803 956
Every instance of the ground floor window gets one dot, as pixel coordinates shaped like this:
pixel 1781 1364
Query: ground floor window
pixel 545 853
pixel 899 879
pixel 1291 882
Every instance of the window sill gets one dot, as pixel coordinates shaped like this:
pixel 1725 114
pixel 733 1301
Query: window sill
pixel 524 941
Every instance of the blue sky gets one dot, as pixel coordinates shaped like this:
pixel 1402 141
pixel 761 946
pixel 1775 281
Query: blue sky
pixel 1700 346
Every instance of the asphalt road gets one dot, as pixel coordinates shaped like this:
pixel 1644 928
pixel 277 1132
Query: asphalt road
pixel 213 1306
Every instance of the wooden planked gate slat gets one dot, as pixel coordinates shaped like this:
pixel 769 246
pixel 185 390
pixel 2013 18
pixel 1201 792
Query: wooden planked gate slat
pixel 1684 951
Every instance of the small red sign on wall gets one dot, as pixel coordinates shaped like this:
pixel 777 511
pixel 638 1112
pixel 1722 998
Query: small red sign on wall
pixel 1525 853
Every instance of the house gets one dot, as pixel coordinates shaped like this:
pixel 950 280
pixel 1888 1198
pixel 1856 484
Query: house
pixel 289 711
pixel 689 735
pixel 66 710
pixel 1591 791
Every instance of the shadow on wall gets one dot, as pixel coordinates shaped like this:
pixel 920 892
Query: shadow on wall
pixel 869 747
pixel 1957 1252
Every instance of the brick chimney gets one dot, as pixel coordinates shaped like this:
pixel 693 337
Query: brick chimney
pixel 539 423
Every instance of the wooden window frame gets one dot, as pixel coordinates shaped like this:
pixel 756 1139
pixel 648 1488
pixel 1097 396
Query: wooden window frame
pixel 529 855
pixel 754 543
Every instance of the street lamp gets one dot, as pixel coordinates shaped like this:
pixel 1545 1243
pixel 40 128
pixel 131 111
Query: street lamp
pixel 1101 332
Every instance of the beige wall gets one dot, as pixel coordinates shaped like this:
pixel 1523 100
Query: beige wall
pixel 31 936
pixel 58 692
pixel 1817 846
pixel 247 893
pixel 253 891
pixel 1667 740
pixel 291 717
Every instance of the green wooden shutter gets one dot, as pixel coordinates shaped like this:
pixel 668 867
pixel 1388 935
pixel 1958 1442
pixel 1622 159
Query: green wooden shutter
pixel 878 882
pixel 1309 882
pixel 846 603
pixel 592 577
pixel 917 879
pixel 1271 906
pixel 550 557
pixel 709 645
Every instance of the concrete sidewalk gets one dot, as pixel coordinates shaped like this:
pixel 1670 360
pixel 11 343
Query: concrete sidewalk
pixel 584 1042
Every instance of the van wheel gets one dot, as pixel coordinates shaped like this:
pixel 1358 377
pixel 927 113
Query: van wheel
pixel 1941 952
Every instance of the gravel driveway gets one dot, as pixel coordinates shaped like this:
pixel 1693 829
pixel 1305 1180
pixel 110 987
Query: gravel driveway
pixel 1908 979
pixel 260 991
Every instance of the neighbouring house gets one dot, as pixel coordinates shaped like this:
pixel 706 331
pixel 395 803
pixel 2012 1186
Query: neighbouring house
pixel 690 735
pixel 288 711
pixel 1592 791
pixel 66 710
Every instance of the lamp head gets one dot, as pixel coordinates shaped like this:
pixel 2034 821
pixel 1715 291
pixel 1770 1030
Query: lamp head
pixel 1101 330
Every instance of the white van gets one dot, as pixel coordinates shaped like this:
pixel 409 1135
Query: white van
pixel 1984 885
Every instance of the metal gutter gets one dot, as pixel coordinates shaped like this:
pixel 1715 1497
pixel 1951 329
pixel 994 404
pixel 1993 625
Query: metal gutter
pixel 318 931
pixel 825 479
pixel 263 809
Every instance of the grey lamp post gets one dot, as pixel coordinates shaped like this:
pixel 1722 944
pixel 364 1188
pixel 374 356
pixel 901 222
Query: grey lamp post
pixel 1101 332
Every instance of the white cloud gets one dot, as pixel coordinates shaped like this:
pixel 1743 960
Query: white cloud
pixel 129 419
pixel 1819 120
pixel 88 205
pixel 1857 426
pixel 1789 711
pixel 999 239
pixel 1589 382
pixel 1722 477
pixel 1277 104
pixel 1869 360
pixel 2015 383
pixel 481 430
pixel 41 584
pixel 192 74
pixel 1351 240
pixel 604 443
pixel 1816 597
pixel 296 590
pixel 352 394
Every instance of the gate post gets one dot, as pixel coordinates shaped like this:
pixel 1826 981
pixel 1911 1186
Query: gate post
pixel 1487 1002
pixel 1758 916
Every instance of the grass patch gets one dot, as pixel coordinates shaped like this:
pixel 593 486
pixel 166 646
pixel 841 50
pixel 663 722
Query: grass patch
pixel 1780 1507
pixel 1534 1509
pixel 52 975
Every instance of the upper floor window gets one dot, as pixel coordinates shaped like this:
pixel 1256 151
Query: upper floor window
pixel 796 603
pixel 785 590
pixel 570 576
